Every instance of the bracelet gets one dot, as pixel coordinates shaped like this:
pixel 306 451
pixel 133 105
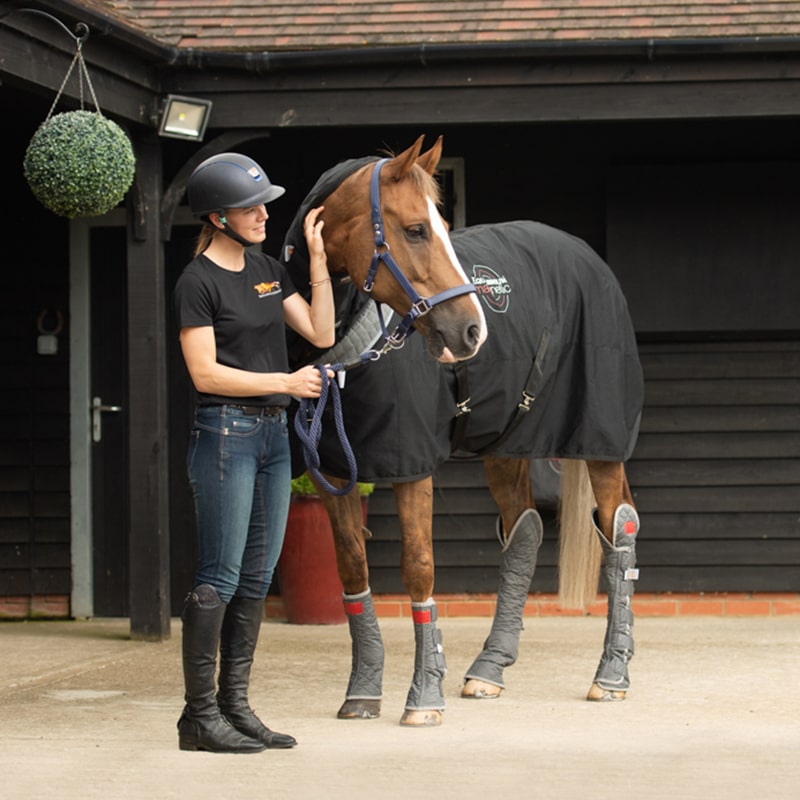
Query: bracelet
pixel 319 283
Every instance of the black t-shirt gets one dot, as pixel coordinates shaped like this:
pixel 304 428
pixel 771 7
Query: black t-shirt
pixel 246 311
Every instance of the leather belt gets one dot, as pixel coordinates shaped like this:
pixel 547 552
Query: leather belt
pixel 258 411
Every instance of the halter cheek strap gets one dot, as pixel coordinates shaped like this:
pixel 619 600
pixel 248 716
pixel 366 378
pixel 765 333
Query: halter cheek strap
pixel 382 255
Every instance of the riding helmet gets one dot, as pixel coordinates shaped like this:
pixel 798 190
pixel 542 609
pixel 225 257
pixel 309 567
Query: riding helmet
pixel 229 180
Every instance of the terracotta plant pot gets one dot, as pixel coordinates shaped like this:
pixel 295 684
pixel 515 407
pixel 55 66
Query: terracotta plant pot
pixel 308 579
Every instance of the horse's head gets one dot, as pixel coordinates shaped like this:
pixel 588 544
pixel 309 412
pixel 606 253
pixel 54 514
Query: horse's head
pixel 417 240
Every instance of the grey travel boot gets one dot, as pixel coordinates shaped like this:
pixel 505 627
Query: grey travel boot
pixel 201 726
pixel 619 568
pixel 517 565
pixel 240 629
pixel 365 687
pixel 430 667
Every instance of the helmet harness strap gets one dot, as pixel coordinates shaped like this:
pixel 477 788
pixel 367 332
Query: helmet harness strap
pixel 228 231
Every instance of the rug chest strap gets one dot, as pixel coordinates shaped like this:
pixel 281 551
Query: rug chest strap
pixel 532 386
pixel 462 415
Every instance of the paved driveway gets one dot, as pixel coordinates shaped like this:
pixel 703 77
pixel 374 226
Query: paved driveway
pixel 713 713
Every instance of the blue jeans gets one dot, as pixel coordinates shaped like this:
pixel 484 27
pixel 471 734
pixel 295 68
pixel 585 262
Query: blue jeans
pixel 240 471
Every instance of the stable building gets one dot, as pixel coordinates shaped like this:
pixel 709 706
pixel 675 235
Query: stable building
pixel 665 136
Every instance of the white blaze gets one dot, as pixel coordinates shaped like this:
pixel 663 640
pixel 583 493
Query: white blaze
pixel 439 230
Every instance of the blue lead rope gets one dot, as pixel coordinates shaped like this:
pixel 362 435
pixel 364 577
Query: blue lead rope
pixel 308 425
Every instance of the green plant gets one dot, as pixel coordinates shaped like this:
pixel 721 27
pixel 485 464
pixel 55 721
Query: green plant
pixel 79 164
pixel 303 486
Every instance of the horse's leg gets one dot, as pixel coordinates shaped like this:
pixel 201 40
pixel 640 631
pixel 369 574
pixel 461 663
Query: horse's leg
pixel 364 689
pixel 617 525
pixel 425 700
pixel 519 529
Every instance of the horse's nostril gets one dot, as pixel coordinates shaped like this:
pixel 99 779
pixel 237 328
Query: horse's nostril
pixel 472 335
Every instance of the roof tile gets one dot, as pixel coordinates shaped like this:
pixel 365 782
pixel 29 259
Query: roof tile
pixel 261 25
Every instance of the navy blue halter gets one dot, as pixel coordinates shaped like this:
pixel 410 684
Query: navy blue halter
pixel 308 420
pixel 382 255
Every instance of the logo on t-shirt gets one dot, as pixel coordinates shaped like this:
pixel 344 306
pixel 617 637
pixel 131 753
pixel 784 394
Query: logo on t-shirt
pixel 267 288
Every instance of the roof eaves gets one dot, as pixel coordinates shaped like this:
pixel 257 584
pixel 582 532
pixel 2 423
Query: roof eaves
pixel 427 55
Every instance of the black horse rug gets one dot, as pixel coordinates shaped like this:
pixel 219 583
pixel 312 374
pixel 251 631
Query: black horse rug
pixel 558 376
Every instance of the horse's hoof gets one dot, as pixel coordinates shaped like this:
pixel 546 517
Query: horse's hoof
pixel 360 709
pixel 421 719
pixel 601 695
pixel 480 690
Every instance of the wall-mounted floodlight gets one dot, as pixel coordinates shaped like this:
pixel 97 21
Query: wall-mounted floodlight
pixel 184 117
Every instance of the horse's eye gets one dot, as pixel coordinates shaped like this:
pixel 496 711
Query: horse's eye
pixel 416 232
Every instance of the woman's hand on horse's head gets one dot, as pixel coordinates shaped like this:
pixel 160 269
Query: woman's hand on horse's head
pixel 312 228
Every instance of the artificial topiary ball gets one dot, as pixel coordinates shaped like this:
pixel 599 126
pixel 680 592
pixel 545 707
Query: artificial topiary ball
pixel 79 164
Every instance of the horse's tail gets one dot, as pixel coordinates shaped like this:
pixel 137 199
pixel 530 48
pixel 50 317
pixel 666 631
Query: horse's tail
pixel 580 553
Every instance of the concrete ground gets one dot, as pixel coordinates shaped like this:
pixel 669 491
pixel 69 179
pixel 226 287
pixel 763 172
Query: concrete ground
pixel 713 712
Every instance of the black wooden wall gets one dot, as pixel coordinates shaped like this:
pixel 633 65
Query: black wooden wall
pixel 716 471
pixel 34 457
pixel 34 400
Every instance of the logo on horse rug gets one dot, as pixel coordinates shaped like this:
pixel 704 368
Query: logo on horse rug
pixel 493 289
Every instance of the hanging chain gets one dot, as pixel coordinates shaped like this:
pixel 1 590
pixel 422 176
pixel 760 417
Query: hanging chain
pixel 83 75
pixel 80 36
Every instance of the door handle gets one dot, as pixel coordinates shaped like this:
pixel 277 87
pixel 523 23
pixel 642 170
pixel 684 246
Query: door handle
pixel 97 409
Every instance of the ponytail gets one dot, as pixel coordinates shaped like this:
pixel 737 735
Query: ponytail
pixel 204 239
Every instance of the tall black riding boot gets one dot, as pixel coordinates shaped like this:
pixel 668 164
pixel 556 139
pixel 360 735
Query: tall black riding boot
pixel 238 640
pixel 201 726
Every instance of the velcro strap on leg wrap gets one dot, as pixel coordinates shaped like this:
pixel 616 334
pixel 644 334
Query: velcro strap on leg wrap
pixel 425 617
pixel 421 616
pixel 354 603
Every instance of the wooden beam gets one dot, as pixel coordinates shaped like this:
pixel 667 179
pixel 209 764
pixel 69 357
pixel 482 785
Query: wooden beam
pixel 147 402
pixel 506 104
pixel 124 87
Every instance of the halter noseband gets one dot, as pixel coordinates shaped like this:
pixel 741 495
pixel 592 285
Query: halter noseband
pixel 419 305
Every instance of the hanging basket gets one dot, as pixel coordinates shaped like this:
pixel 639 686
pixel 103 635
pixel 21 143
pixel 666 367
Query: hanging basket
pixel 78 163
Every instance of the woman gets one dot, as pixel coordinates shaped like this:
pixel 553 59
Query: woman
pixel 232 304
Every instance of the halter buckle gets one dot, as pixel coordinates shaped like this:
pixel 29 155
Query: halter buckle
pixel 420 308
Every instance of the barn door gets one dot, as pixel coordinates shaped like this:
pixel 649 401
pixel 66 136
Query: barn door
pixel 108 420
pixel 100 508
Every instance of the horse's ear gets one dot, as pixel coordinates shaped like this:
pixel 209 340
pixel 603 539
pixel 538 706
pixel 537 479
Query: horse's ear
pixel 401 164
pixel 429 160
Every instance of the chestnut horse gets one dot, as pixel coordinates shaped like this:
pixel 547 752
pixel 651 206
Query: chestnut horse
pixel 386 211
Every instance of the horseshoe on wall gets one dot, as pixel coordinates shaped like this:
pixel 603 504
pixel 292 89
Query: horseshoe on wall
pixel 59 326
